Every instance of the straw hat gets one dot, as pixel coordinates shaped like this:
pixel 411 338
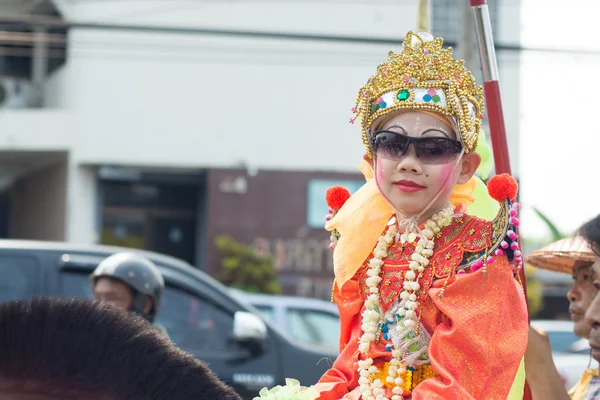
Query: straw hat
pixel 562 256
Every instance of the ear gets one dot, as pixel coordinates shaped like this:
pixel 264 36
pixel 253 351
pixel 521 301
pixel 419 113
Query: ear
pixel 148 305
pixel 469 164
pixel 368 159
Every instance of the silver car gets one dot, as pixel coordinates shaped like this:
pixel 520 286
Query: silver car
pixel 310 321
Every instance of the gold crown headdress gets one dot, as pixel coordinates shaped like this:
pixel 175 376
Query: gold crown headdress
pixel 424 76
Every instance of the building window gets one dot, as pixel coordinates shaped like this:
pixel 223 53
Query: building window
pixel 317 206
pixel 446 18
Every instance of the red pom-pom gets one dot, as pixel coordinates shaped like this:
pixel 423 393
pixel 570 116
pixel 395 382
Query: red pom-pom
pixel 336 197
pixel 502 187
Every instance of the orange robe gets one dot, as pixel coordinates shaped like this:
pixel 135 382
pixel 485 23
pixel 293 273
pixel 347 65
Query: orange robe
pixel 478 328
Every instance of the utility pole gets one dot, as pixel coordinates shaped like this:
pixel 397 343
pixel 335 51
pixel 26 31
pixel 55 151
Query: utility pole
pixel 467 45
pixel 40 65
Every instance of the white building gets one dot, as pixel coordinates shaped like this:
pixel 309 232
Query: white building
pixel 168 90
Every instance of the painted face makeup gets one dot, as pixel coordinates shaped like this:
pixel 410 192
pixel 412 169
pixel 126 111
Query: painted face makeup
pixel 416 162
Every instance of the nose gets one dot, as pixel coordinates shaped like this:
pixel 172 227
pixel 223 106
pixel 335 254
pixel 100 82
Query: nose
pixel 573 294
pixel 592 315
pixel 410 162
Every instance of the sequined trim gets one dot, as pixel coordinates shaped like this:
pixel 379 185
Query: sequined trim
pixel 499 226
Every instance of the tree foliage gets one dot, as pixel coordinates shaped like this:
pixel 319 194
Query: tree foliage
pixel 244 269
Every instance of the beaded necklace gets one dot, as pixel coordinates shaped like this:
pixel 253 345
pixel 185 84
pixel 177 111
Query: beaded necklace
pixel 372 387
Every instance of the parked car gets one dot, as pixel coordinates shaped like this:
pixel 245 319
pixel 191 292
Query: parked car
pixel 200 315
pixel 311 321
pixel 571 354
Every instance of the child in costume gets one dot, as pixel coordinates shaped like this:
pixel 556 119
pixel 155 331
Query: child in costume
pixel 430 302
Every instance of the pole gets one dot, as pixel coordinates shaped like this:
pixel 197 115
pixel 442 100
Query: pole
pixel 466 41
pixel 493 99
pixel 491 85
pixel 40 65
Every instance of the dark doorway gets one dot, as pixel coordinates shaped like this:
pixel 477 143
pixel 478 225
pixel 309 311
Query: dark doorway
pixel 174 236
pixel 4 214
pixel 158 212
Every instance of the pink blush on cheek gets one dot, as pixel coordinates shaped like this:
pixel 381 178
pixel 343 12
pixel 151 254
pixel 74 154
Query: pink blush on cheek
pixel 445 171
pixel 445 176
pixel 380 179
pixel 379 170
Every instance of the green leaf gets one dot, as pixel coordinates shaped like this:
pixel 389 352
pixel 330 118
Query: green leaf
pixel 556 233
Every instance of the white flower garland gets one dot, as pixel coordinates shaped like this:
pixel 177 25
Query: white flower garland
pixel 373 388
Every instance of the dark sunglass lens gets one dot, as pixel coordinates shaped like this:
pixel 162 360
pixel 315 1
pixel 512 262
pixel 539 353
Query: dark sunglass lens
pixel 389 145
pixel 437 150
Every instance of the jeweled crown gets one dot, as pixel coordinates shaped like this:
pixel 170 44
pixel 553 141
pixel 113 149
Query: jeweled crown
pixel 424 76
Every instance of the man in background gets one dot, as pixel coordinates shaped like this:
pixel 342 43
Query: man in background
pixel 573 256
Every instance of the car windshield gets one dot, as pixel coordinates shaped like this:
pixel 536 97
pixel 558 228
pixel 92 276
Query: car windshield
pixel 313 326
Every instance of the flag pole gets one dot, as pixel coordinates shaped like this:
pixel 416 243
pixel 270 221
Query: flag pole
pixel 493 100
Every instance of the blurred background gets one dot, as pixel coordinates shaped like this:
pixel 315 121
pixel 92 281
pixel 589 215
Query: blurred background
pixel 210 130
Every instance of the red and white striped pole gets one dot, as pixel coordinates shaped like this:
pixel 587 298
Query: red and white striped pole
pixel 491 87
pixel 493 100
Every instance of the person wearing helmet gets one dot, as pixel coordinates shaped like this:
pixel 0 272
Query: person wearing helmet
pixel 130 282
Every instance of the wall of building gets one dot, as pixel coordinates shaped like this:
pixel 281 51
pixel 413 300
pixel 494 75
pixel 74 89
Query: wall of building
pixel 269 107
pixel 335 17
pixel 82 204
pixel 37 129
pixel 38 204
pixel 196 101
pixel 191 100
pixel 273 211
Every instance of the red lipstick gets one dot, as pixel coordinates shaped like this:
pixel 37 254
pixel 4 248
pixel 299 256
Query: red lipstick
pixel 408 186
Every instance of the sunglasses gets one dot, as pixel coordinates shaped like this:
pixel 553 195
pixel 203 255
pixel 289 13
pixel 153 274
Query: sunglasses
pixel 429 150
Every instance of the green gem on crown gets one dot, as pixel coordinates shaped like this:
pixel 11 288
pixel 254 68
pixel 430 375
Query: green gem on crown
pixel 403 95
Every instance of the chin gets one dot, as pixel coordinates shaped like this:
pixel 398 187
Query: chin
pixel 581 330
pixel 413 205
pixel 408 209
